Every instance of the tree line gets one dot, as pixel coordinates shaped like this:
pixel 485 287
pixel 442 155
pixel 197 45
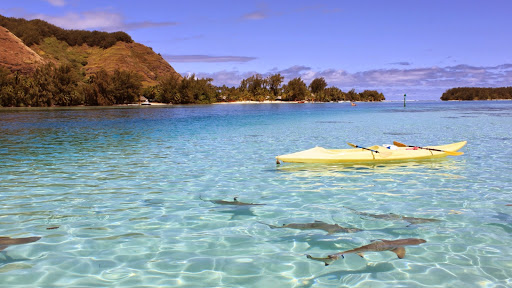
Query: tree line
pixel 258 88
pixel 34 31
pixel 475 93
pixel 192 90
pixel 67 85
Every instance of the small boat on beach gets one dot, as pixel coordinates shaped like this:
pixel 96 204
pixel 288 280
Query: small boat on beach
pixel 377 153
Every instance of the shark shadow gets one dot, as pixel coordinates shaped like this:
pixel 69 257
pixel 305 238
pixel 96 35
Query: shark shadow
pixel 239 212
pixel 505 219
pixel 317 225
pixel 369 269
pixel 394 217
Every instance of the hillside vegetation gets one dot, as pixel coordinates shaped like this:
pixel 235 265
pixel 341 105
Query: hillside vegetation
pixel 35 31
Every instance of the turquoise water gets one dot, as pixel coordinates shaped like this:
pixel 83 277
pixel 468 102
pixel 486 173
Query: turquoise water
pixel 121 189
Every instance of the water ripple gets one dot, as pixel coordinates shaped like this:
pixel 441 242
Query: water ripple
pixel 114 194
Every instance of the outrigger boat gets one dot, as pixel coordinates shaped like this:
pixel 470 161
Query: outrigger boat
pixel 398 152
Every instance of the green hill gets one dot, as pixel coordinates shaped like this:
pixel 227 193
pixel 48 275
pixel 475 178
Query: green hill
pixel 89 51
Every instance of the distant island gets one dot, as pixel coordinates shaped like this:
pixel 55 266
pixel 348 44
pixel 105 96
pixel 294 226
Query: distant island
pixel 475 93
pixel 42 65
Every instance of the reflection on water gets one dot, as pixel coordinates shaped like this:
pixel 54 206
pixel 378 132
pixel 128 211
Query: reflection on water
pixel 445 164
pixel 393 171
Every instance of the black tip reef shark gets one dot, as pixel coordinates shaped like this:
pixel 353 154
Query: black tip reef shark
pixel 234 202
pixel 396 246
pixel 8 241
pixel 393 217
pixel 317 225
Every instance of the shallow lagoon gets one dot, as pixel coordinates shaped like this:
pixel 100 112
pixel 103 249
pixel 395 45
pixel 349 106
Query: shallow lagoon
pixel 123 185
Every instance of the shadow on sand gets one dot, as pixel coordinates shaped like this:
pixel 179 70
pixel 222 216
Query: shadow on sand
pixel 369 269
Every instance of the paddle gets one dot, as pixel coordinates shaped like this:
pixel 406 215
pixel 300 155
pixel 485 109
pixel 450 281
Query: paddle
pixel 383 154
pixel 432 149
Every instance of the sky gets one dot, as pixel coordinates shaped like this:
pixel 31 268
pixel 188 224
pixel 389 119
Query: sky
pixel 414 47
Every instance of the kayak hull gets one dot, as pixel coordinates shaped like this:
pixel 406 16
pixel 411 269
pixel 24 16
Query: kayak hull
pixel 322 155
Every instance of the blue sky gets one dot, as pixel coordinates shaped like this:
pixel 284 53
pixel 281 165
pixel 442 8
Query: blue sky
pixel 418 47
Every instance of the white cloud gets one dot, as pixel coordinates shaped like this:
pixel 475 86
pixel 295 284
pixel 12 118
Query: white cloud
pixel 58 3
pixel 97 20
pixel 426 83
pixel 206 58
pixel 257 15
pixel 85 20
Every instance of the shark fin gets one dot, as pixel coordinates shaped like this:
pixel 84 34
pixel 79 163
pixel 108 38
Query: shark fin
pixel 400 252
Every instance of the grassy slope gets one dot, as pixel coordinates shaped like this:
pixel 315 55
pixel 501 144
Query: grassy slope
pixel 60 52
pixel 124 56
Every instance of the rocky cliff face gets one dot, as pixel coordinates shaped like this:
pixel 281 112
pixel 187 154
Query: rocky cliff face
pixel 16 56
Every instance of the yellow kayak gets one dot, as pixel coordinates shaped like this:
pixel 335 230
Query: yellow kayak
pixel 379 154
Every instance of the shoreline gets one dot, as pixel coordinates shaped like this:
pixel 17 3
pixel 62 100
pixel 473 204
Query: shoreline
pixel 261 102
pixel 160 104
